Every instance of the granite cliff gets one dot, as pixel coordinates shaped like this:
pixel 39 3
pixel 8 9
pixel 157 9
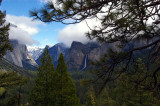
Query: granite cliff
pixel 78 56
pixel 20 56
pixel 54 52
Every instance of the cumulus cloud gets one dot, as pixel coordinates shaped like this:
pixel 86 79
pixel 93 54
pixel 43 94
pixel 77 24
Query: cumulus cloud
pixel 76 32
pixel 24 30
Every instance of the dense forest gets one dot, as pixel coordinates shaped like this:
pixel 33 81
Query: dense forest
pixel 122 77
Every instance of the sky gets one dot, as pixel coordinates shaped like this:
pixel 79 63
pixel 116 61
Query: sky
pixel 36 33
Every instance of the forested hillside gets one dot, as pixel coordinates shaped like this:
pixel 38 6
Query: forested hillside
pixel 120 66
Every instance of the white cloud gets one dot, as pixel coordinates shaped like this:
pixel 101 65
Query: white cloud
pixel 76 32
pixel 45 1
pixel 25 29
pixel 30 30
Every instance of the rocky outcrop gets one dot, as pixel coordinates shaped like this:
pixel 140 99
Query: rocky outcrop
pixel 6 65
pixel 35 52
pixel 54 52
pixel 80 54
pixel 20 56
pixel 75 55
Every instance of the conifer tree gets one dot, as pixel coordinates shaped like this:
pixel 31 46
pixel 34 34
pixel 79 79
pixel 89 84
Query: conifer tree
pixel 65 87
pixel 42 93
pixel 126 91
pixel 120 21
pixel 91 97
pixel 9 81
pixel 4 34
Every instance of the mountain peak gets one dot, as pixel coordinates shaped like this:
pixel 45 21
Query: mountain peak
pixel 19 55
pixel 35 52
pixel 48 46
pixel 32 48
pixel 61 45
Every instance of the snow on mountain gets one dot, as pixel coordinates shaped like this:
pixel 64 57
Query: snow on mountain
pixel 35 52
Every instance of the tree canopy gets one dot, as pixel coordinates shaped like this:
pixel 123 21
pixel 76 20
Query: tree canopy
pixel 53 87
pixel 121 21
pixel 9 83
pixel 43 87
pixel 4 34
pixel 65 88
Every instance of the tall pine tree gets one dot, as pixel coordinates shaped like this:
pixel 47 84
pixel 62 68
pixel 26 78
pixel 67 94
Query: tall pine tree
pixel 4 34
pixel 42 93
pixel 65 87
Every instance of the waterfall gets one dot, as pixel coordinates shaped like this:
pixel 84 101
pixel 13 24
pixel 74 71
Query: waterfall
pixel 85 62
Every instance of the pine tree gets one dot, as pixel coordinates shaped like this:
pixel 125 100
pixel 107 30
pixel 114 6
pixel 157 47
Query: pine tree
pixel 65 87
pixel 128 93
pixel 42 93
pixel 91 97
pixel 120 21
pixel 4 34
pixel 9 81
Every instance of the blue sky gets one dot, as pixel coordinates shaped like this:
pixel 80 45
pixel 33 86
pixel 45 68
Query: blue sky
pixel 47 33
pixel 36 33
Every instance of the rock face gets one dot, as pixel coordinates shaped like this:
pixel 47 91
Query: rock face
pixel 79 55
pixel 54 53
pixel 20 56
pixel 35 52
pixel 5 66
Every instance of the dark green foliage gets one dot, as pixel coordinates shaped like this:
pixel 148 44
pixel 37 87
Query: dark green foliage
pixel 122 92
pixel 91 97
pixel 42 93
pixel 9 79
pixel 104 99
pixel 4 34
pixel 9 84
pixel 121 22
pixel 53 87
pixel 79 78
pixel 65 87
pixel 126 92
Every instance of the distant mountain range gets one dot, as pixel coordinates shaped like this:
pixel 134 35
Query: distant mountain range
pixel 20 56
pixel 77 57
pixel 54 52
pixel 35 52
